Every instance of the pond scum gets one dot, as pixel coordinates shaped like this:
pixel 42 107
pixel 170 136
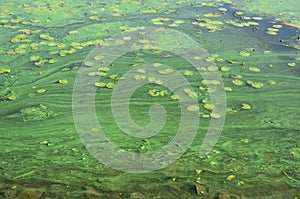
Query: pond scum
pixel 43 44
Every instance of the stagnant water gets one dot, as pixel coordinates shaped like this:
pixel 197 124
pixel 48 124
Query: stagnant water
pixel 47 46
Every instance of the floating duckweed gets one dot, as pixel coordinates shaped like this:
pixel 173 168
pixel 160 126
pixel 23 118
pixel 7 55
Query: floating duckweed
pixel 100 84
pixel 198 57
pixel 158 81
pixel 193 107
pixel 237 82
pixel 272 82
pixel 226 88
pixel 277 26
pixel 110 85
pixel 41 90
pixel 63 81
pixel 39 63
pixel 267 51
pixel 163 93
pixel 253 23
pixel 272 31
pixel 225 69
pixel 89 63
pixel 222 9
pixel 165 71
pixel 46 37
pixel 246 106
pixel 103 68
pixel 101 73
pixel 141 70
pixel 187 90
pixel 151 79
pixel 236 76
pixel 254 69
pixel 127 38
pixel 91 74
pixel 52 61
pixel 188 73
pixel 113 76
pixel 232 61
pixel 174 97
pixel 219 59
pixel 215 82
pixel 212 68
pixel 201 68
pixel 20 50
pixel 244 53
pixel 255 84
pixel 193 94
pixel 230 177
pixel 211 14
pixel 4 70
pixel 73 32
pixel 154 92
pixel 61 45
pixel 292 64
pixel 12 97
pixel 208 106
pixel 140 77
pixel 257 18
pixel 215 115
pixel 34 58
pixel 156 64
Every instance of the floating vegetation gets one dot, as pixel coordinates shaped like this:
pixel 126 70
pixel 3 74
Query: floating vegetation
pixel 246 106
pixel 193 107
pixel 254 84
pixel 272 31
pixel 257 18
pixel 166 71
pixel 271 82
pixel 292 64
pixel 225 69
pixel 154 92
pixel 226 88
pixel 41 90
pixel 62 81
pixel 244 54
pixel 174 97
pixel 34 114
pixel 4 70
pixel 237 82
pixel 188 73
pixel 100 84
pixel 110 85
pixel 89 63
pixel 208 106
pixel 34 58
pixel 210 25
pixel 254 69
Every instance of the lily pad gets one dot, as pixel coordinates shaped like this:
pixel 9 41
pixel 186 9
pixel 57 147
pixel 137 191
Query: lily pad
pixel 110 85
pixel 292 64
pixel 254 69
pixel 246 106
pixel 193 107
pixel 244 53
pixel 238 82
pixel 254 84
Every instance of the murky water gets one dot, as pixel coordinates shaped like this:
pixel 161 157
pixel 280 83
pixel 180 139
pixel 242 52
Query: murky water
pixel 44 46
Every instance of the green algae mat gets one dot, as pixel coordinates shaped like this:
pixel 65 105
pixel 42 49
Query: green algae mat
pixel 47 47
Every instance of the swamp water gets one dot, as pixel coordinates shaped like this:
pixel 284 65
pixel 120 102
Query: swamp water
pixel 43 46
